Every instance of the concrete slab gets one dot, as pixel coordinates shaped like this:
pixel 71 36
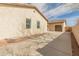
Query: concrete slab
pixel 59 47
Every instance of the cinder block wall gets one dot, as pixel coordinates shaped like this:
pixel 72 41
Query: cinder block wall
pixel 75 31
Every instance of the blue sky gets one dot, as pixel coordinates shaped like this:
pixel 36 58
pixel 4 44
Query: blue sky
pixel 53 11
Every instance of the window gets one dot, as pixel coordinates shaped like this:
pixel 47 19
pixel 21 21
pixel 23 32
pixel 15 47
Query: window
pixel 38 24
pixel 28 23
pixel 58 27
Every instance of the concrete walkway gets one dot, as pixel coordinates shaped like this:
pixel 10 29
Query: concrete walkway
pixel 61 46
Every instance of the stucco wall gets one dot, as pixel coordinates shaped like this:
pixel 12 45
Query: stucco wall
pixel 13 22
pixel 75 31
pixel 51 26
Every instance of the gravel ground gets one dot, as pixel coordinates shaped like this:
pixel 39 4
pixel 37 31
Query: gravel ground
pixel 29 47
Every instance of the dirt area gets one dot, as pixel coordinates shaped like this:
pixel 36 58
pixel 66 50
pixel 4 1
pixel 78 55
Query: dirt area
pixel 29 46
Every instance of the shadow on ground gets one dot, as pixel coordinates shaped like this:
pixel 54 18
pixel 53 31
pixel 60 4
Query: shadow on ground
pixel 61 46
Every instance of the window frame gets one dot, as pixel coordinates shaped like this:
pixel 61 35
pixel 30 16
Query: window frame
pixel 28 23
pixel 38 24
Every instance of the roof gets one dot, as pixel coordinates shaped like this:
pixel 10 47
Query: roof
pixel 57 21
pixel 23 5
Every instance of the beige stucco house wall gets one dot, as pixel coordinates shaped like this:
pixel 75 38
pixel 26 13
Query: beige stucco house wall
pixel 13 21
pixel 51 25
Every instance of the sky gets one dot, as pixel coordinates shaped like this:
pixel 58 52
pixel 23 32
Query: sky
pixel 56 11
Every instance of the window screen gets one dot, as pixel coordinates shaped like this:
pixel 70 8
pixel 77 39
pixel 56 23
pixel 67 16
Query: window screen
pixel 28 23
pixel 38 24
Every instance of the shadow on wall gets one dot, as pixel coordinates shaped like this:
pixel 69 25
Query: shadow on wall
pixel 61 46
pixel 75 48
pixel 75 31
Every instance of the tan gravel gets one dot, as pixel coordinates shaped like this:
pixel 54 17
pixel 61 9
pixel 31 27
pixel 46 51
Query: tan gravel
pixel 29 46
